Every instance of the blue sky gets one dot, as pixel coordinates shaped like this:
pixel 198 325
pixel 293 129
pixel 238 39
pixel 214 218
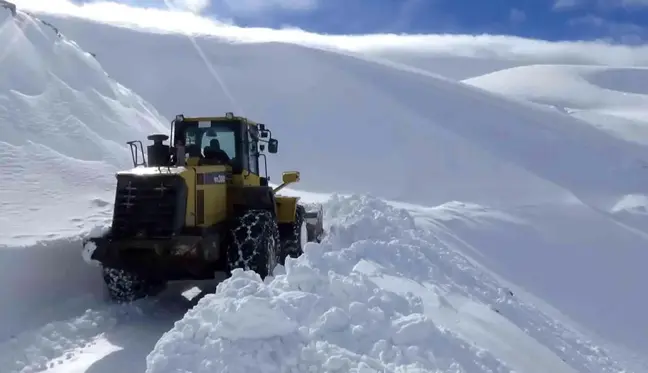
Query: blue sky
pixel 624 21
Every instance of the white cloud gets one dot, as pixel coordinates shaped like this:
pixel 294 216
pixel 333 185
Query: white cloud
pixel 255 7
pixel 194 6
pixel 490 46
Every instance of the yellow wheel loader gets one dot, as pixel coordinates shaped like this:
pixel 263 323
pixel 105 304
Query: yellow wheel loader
pixel 198 206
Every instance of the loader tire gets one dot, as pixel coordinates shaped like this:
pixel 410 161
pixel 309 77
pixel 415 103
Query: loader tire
pixel 124 286
pixel 294 236
pixel 254 242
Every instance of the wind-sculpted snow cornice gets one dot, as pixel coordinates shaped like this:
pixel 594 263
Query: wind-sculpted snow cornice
pixel 7 5
pixel 14 12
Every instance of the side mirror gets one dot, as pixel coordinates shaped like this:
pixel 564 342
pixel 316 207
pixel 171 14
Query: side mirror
pixel 273 146
pixel 289 177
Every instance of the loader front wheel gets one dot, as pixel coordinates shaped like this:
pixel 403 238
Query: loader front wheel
pixel 294 236
pixel 254 242
pixel 124 286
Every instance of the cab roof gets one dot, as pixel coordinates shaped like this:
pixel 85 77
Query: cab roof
pixel 219 119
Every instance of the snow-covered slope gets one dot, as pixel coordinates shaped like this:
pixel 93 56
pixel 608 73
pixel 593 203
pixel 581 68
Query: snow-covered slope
pixel 63 127
pixel 64 124
pixel 613 99
pixel 445 63
pixel 522 191
pixel 397 120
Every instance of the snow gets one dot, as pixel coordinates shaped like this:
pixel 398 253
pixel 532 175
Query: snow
pixel 612 99
pixel 89 249
pixel 493 153
pixel 471 227
pixel 64 128
pixel 378 295
pixel 64 123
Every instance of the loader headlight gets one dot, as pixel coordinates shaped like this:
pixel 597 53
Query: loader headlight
pixel 179 118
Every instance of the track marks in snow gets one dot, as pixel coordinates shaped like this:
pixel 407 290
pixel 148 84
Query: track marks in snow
pixel 102 339
pixel 36 350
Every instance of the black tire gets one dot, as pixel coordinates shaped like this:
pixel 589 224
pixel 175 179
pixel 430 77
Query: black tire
pixel 294 236
pixel 254 242
pixel 124 286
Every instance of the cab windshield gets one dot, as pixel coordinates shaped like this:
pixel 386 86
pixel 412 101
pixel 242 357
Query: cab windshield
pixel 203 141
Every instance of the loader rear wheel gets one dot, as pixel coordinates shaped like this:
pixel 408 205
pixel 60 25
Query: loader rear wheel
pixel 124 286
pixel 254 242
pixel 294 236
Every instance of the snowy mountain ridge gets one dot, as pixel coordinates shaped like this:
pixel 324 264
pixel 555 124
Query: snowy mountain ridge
pixel 395 287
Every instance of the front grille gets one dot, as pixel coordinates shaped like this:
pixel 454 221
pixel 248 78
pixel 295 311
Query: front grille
pixel 148 206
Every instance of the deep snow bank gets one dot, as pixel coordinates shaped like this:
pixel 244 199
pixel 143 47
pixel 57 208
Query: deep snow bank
pixel 380 295
pixel 63 124
pixel 63 127
pixel 405 135
pixel 42 283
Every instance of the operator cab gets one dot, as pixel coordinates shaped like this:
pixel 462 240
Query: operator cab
pixel 228 140
pixel 209 143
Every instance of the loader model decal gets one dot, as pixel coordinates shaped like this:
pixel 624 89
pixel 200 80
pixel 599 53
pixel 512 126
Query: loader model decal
pixel 217 177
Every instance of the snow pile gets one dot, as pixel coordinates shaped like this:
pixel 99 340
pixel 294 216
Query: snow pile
pixel 305 321
pixel 63 127
pixel 378 296
pixel 320 316
pixel 613 99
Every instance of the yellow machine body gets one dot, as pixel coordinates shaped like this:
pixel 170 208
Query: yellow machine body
pixel 210 203
pixel 176 212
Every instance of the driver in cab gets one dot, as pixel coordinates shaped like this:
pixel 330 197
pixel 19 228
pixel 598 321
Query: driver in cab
pixel 213 154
